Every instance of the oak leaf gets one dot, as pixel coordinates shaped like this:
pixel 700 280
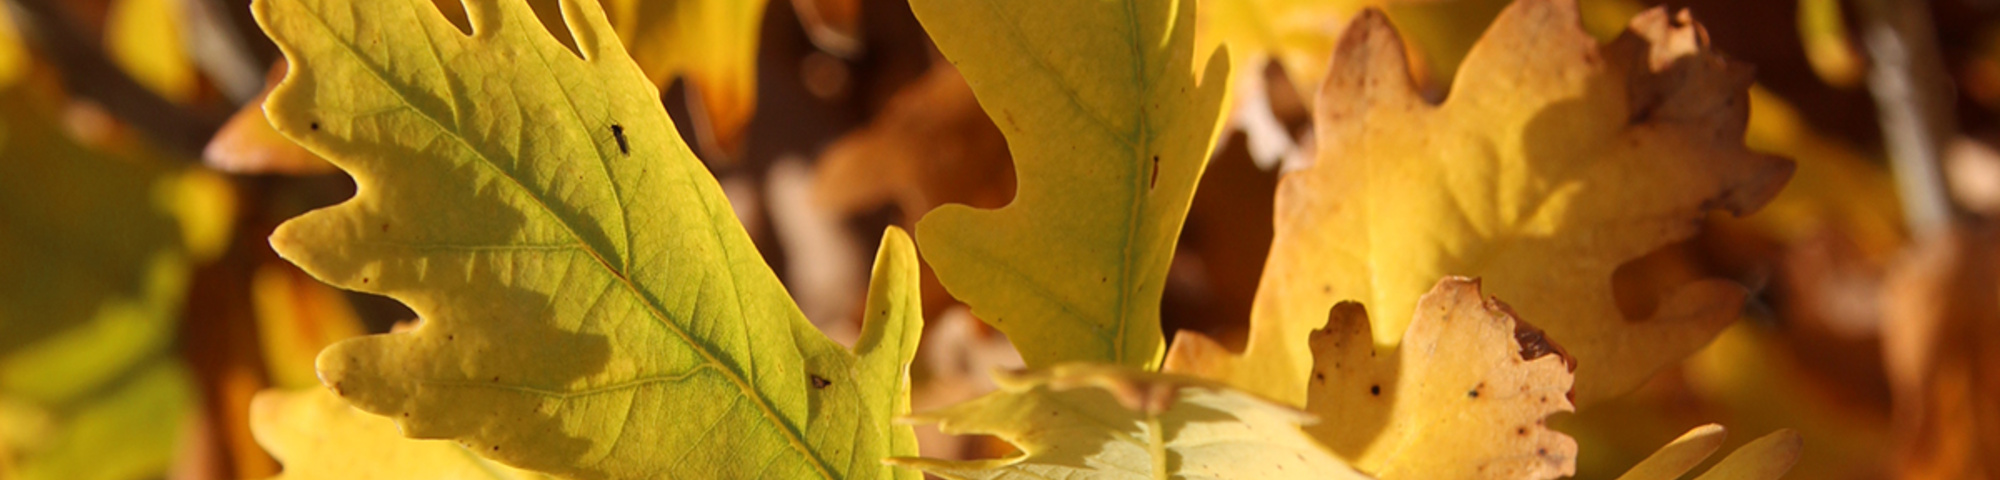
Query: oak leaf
pixel 318 436
pixel 591 306
pixel 1110 128
pixel 1554 161
pixel 1113 422
pixel 1465 396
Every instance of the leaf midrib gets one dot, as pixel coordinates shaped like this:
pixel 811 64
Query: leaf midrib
pixel 1140 177
pixel 709 357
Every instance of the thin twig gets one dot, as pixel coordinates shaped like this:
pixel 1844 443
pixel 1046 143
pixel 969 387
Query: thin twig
pixel 1913 95
pixel 86 73
pixel 227 46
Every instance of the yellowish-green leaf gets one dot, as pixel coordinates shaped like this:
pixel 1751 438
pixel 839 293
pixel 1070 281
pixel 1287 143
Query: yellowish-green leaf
pixel 98 249
pixel 318 436
pixel 710 43
pixel 1553 161
pixel 1110 129
pixel 1114 422
pixel 128 430
pixel 591 305
pixel 1465 397
pixel 1766 458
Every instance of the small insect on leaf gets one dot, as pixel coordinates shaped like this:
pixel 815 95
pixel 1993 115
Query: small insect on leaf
pixel 820 383
pixel 618 132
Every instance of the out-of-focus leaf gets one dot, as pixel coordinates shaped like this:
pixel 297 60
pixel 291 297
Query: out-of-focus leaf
pixel 13 55
pixel 296 318
pixel 318 436
pixel 1113 422
pixel 126 430
pixel 930 145
pixel 1110 126
pixel 1554 161
pixel 143 37
pixel 98 251
pixel 1829 49
pixel 1836 188
pixel 1466 395
pixel 98 248
pixel 1941 345
pixel 1766 458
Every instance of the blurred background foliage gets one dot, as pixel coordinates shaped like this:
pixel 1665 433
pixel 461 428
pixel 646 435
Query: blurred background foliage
pixel 141 307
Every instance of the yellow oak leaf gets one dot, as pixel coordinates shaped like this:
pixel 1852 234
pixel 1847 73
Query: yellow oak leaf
pixel 590 304
pixel 1110 128
pixel 1553 161
pixel 1466 395
pixel 1766 458
pixel 1114 422
pixel 318 436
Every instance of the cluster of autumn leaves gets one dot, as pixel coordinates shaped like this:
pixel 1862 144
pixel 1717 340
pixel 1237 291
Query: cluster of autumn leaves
pixel 1439 285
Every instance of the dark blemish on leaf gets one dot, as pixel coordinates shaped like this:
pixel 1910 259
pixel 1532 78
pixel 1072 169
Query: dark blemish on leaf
pixel 1534 343
pixel 1474 393
pixel 820 383
pixel 1319 377
pixel 385 227
pixel 1523 431
pixel 1156 172
pixel 314 126
pixel 1375 390
pixel 619 132
pixel 496 378
pixel 364 280
pixel 450 337
pixel 885 312
pixel 496 448
pixel 1326 289
pixel 1542 451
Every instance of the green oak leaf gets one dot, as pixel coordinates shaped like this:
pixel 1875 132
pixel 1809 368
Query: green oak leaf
pixel 591 306
pixel 1110 129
